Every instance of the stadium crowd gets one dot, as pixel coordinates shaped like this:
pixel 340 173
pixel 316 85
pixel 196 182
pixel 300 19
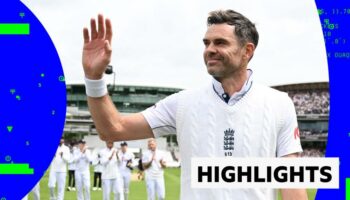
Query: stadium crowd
pixel 312 102
pixel 312 153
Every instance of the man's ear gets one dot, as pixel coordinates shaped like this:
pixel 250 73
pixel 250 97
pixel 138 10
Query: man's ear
pixel 249 50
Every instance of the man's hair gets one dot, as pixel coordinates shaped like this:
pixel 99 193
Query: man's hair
pixel 152 140
pixel 244 29
pixel 81 142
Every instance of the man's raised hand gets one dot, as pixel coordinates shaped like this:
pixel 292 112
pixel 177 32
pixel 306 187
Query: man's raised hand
pixel 97 49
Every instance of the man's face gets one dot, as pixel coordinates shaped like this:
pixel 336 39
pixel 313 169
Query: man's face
pixel 81 146
pixel 124 148
pixel 223 54
pixel 109 145
pixel 152 145
pixel 61 141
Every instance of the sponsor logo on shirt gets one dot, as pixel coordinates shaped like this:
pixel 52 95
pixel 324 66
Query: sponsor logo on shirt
pixel 296 133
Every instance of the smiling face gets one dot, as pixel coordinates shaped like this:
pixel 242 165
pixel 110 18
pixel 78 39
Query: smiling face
pixel 223 53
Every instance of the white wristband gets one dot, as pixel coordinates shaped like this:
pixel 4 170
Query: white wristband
pixel 95 88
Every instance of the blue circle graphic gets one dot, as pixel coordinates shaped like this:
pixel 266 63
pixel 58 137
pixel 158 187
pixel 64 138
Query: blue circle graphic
pixel 33 100
pixel 334 18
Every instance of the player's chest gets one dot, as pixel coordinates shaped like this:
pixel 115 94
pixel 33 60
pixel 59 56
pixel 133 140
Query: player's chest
pixel 236 136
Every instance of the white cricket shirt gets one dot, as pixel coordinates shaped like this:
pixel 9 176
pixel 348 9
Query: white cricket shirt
pixel 110 167
pixel 155 170
pixel 124 158
pixel 261 124
pixel 59 163
pixel 82 160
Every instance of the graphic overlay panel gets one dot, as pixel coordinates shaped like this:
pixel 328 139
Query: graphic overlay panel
pixel 33 100
pixel 335 21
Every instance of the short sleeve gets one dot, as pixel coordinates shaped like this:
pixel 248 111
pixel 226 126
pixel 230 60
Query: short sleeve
pixel 162 116
pixel 288 137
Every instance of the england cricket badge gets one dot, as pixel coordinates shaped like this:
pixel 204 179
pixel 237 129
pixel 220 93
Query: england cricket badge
pixel 228 142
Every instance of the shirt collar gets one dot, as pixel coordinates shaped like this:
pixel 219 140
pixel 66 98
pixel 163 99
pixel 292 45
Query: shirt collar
pixel 236 96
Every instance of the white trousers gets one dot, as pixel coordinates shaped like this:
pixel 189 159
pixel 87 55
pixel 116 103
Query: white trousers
pixel 60 178
pixel 155 186
pixel 35 191
pixel 82 183
pixel 112 185
pixel 126 176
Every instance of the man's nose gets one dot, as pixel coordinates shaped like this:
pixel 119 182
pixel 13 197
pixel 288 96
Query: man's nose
pixel 210 49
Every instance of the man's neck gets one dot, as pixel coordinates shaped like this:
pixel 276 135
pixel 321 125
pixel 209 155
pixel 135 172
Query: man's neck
pixel 235 82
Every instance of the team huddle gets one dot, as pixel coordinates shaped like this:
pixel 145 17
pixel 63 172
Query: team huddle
pixel 112 167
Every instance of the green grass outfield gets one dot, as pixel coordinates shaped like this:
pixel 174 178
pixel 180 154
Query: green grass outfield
pixel 137 188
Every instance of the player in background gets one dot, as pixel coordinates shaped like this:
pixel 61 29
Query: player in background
pixel 125 167
pixel 35 191
pixel 98 168
pixel 82 158
pixel 154 164
pixel 140 168
pixel 71 168
pixel 111 178
pixel 58 171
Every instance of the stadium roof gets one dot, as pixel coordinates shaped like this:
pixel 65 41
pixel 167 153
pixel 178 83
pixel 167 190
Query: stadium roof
pixel 303 86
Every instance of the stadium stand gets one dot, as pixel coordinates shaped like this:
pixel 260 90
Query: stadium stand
pixel 311 101
pixel 312 106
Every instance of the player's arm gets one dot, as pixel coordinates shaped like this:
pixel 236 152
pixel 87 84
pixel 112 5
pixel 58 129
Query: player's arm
pixel 289 145
pixel 88 156
pixel 162 163
pixel 97 52
pixel 112 155
pixel 104 159
pixel 111 126
pixel 71 159
pixel 147 165
pixel 76 156
pixel 293 194
pixel 66 156
pixel 118 157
